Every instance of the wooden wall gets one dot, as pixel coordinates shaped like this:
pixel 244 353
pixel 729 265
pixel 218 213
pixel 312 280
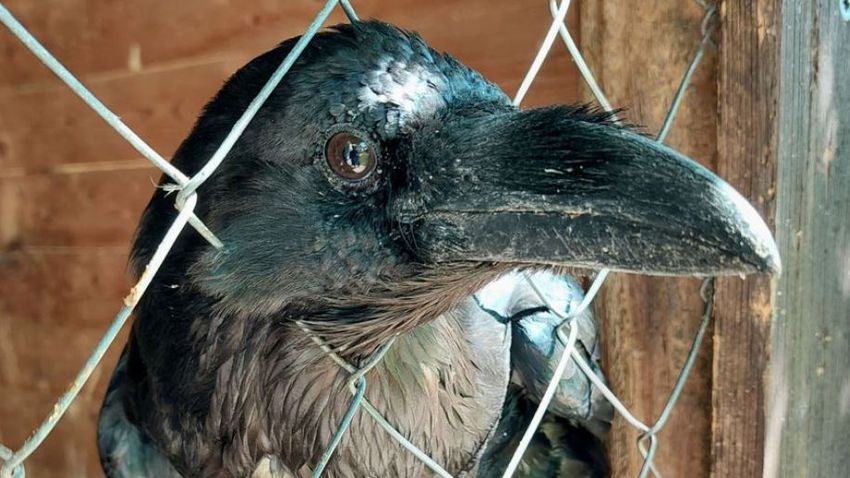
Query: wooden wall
pixel 71 190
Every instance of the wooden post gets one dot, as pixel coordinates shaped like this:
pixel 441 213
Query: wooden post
pixel 808 414
pixel 639 52
pixel 746 144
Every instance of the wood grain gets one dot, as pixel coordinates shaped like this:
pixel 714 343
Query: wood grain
pixel 75 286
pixel 747 68
pixel 639 51
pixel 95 38
pixel 46 130
pixel 808 425
pixel 51 353
pixel 94 209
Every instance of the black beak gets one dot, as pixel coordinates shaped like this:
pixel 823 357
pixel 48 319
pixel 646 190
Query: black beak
pixel 566 186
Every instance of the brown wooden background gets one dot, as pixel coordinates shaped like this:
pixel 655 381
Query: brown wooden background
pixel 71 190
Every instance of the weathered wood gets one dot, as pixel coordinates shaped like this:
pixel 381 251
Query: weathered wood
pixel 808 427
pixel 639 51
pixel 98 37
pixel 747 159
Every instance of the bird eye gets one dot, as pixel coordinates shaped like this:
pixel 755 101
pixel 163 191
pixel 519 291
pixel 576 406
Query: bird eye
pixel 350 156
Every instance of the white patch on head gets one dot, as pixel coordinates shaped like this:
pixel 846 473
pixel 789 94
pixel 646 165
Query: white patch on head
pixel 410 91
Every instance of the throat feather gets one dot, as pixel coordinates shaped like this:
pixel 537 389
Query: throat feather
pixel 356 325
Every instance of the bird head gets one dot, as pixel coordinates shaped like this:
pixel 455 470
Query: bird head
pixel 383 172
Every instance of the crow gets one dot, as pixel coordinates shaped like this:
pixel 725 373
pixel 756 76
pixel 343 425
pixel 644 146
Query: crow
pixel 385 191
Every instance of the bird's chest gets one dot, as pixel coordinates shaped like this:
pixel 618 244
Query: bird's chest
pixel 442 386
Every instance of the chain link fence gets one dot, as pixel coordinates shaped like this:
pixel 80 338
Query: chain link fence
pixel 187 199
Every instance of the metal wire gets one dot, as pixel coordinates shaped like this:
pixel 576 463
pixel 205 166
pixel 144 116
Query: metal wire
pixel 552 387
pixel 83 375
pixel 559 16
pixel 648 433
pixel 95 104
pixel 359 392
pixel 187 199
pixel 357 385
pixel 575 54
pixel 689 74
pixel 255 105
pixel 372 411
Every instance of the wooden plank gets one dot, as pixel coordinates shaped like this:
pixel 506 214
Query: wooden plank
pixel 749 50
pixel 45 130
pixel 44 358
pixel 808 428
pixel 98 37
pixel 81 287
pixel 639 51
pixel 98 209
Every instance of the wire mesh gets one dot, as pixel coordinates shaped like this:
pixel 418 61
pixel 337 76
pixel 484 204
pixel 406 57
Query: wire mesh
pixel 187 198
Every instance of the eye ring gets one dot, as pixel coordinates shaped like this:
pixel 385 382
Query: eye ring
pixel 350 156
